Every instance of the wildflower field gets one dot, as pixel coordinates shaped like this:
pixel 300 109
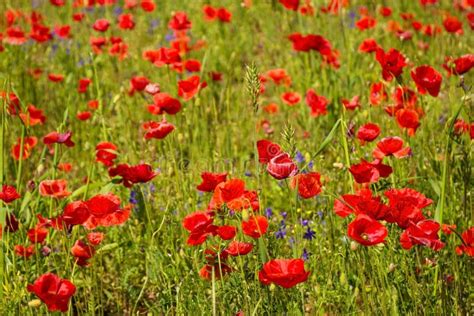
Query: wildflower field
pixel 236 157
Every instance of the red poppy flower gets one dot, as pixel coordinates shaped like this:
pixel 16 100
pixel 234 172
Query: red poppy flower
pixel 192 65
pixel 255 226
pixel 148 5
pixel 82 252
pixel 282 167
pixel 391 146
pixel 138 83
pixel 363 202
pixel 447 229
pixel 427 79
pixel 234 195
pixel 405 96
pixel 210 13
pixel 55 77
pixel 83 85
pixel 65 166
pixel 385 11
pixel 453 25
pixel 279 76
pixel 163 56
pixel 37 234
pixel 290 4
pixel 366 230
pixel 368 132
pixel 309 184
pixel 188 88
pixel 283 272
pixel 63 31
pixel 468 243
pixel 125 22
pixel 224 15
pixel 405 206
pixel 237 248
pixel 422 233
pixel 9 194
pixel 157 130
pixel 305 43
pixel 105 211
pixel 12 101
pixel 267 150
pixel 369 172
pixel 291 98
pixel 141 173
pixel 226 232
pixel 351 104
pixel 53 291
pixel 78 17
pixel 317 103
pixel 33 116
pixel 40 33
pixel 28 144
pixel 95 238
pixel 365 23
pixel 15 36
pixel 409 119
pixel 96 44
pixel 392 63
pixel 57 3
pixel 459 65
pixel 11 223
pixel 470 19
pixel 75 213
pixel 59 138
pixel 101 25
pixel 23 251
pixel 179 22
pixel 271 108
pixel 211 180
pixel 83 116
pixel 54 188
pixel 377 93
pixel 231 189
pixel 199 225
pixel 106 153
pixel 164 103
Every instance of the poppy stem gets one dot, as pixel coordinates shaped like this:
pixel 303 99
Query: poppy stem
pixel 444 180
pixel 214 313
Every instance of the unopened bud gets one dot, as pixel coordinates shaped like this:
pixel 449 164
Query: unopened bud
pixel 354 246
pixel 34 303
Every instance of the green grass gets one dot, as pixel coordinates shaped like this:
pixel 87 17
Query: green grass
pixel 145 266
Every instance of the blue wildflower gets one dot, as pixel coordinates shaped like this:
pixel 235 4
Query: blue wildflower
pixel 133 197
pixel 305 255
pixel 268 212
pixel 299 157
pixel 309 234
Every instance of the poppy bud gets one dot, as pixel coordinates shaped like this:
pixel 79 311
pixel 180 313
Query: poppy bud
pixel 354 246
pixel 34 303
pixel 31 185
pixel 392 267
pixel 245 215
pixel 40 168
pixel 45 251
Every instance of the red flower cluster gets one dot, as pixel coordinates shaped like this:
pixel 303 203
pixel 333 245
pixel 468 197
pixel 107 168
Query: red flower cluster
pixel 404 208
pixel 229 197
pixel 53 291
pixel 279 164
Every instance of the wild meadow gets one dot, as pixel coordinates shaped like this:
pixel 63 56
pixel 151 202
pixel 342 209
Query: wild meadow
pixel 218 157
